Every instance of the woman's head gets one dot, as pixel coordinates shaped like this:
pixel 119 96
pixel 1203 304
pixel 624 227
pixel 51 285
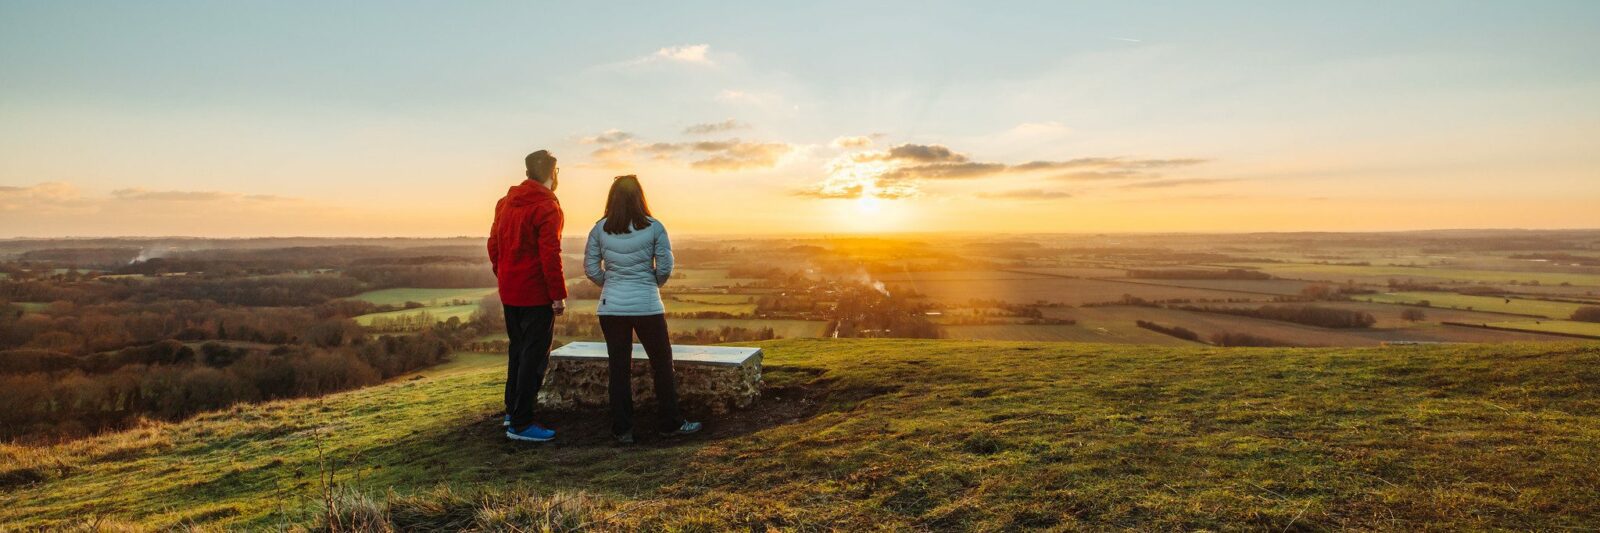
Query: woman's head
pixel 625 206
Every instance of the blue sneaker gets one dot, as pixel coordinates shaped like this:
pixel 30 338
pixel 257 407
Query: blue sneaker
pixel 532 433
pixel 686 428
pixel 506 423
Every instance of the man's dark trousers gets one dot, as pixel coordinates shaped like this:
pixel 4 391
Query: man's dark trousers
pixel 531 330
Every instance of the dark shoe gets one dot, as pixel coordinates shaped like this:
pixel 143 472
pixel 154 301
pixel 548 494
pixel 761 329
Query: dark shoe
pixel 625 438
pixel 685 429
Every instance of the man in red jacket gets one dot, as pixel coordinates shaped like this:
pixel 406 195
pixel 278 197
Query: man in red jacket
pixel 525 253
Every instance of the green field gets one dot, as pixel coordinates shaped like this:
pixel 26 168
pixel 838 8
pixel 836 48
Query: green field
pixel 1555 326
pixel 709 298
pixel 707 277
pixel 897 435
pixel 1339 273
pixel 1106 332
pixel 428 297
pixel 1492 304
pixel 440 313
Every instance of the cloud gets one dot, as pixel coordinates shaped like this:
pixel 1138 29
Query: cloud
pixel 858 141
pixel 1110 174
pixel 925 153
pixel 943 171
pixel 1025 194
pixel 714 127
pixel 55 208
pixel 898 171
pixel 742 155
pixel 618 148
pixel 689 53
pixel 608 137
pixel 52 195
pixel 138 194
pixel 1039 129
pixel 1163 184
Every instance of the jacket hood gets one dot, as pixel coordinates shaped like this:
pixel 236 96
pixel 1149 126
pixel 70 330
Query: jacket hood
pixel 527 193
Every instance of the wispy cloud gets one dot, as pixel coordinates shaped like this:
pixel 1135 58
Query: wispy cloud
pixel 857 141
pixel 714 127
pixel 688 53
pixel 899 171
pixel 52 195
pixel 1025 194
pixel 615 148
pixel 1164 184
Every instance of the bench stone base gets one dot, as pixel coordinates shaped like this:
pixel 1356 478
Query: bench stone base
pixel 718 378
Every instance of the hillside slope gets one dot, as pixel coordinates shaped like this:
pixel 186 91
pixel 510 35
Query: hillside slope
pixel 863 434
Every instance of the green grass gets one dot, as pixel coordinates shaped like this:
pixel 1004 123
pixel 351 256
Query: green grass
pixel 1341 272
pixel 427 297
pixel 1495 304
pixel 441 313
pixel 1555 326
pixel 907 435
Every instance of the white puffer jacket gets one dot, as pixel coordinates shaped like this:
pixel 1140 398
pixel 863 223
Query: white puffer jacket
pixel 629 267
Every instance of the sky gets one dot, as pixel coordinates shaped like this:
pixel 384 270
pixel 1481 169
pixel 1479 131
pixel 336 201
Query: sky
pixel 396 118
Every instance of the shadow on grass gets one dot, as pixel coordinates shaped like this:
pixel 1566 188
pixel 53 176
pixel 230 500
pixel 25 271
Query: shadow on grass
pixel 789 394
pixel 468 450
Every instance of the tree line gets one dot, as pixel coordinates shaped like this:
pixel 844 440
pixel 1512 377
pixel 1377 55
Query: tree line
pixel 1310 315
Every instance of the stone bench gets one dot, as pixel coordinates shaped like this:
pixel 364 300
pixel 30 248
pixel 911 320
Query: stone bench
pixel 717 377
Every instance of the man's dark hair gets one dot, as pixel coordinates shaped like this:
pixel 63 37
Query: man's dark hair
pixel 625 206
pixel 540 165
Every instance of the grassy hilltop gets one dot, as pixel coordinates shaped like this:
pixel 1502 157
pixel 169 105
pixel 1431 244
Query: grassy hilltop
pixel 896 434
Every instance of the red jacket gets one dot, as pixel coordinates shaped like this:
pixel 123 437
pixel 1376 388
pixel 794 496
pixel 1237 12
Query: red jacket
pixel 525 246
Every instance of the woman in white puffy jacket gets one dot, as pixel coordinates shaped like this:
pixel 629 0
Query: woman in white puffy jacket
pixel 629 257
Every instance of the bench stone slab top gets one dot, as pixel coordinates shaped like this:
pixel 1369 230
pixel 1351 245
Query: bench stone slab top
pixel 709 355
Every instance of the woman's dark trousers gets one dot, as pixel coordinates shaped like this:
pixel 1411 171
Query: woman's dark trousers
pixel 652 331
pixel 531 330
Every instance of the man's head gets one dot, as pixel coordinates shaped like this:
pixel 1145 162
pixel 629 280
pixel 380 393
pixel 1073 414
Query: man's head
pixel 542 168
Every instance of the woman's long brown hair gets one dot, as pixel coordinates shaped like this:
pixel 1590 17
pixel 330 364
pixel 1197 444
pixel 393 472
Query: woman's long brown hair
pixel 625 206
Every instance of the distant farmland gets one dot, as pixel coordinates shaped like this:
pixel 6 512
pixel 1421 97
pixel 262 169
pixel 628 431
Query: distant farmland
pixel 427 297
pixel 1115 333
pixel 440 313
pixel 1496 304
pixel 1207 324
pixel 1283 287
pixel 788 329
pixel 673 306
pixel 1377 273
pixel 1556 326
pixel 1053 290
